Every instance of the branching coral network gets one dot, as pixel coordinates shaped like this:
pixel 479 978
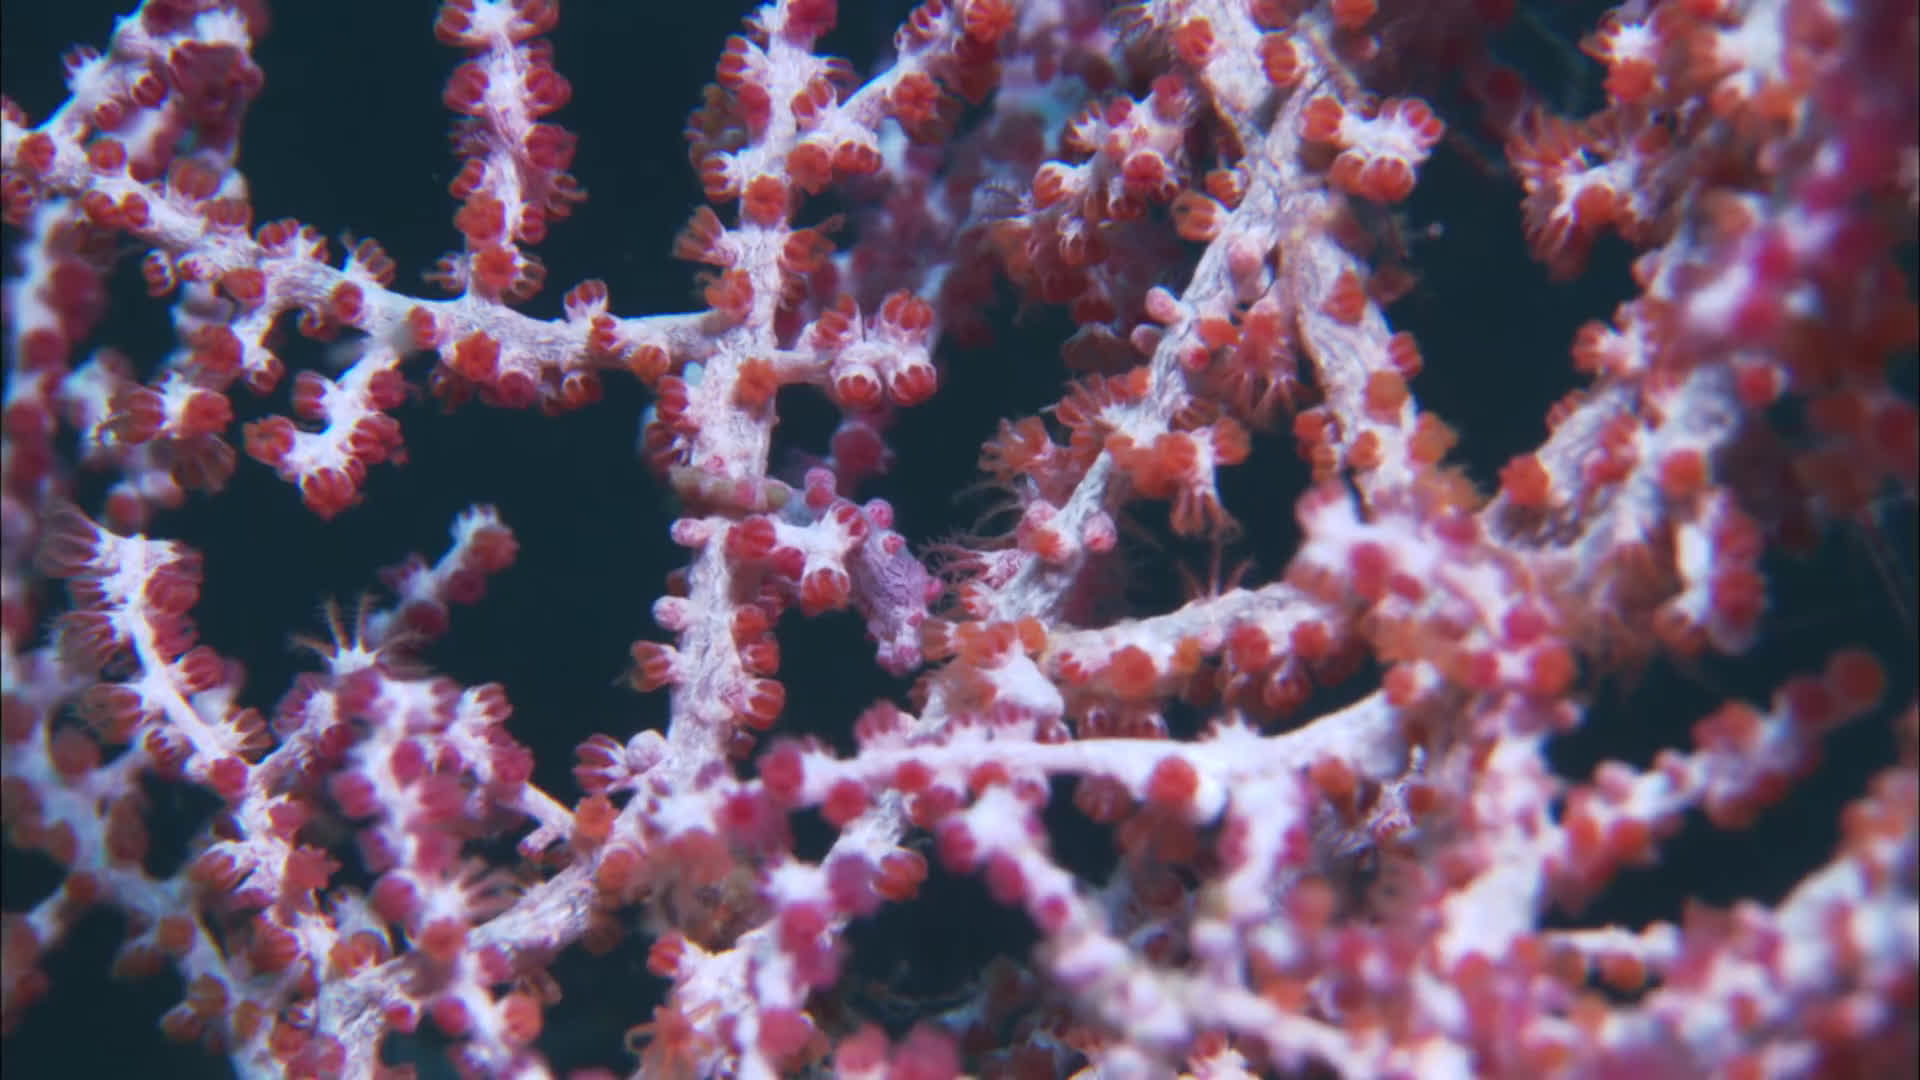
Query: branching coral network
pixel 1528 710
